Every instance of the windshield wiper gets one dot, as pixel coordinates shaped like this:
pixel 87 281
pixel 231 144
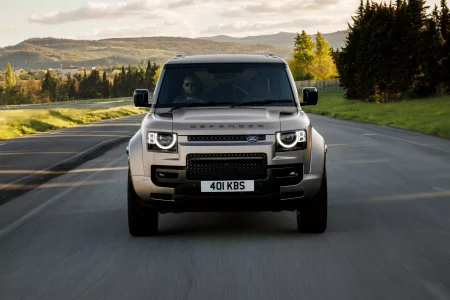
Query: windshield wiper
pixel 263 102
pixel 194 104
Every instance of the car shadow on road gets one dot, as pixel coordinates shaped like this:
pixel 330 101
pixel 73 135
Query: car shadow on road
pixel 244 224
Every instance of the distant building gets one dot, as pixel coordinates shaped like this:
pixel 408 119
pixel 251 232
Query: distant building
pixel 88 69
pixel 66 70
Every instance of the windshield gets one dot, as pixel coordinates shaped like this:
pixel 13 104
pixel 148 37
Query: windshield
pixel 225 84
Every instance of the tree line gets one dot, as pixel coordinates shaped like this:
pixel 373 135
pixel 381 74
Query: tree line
pixel 80 86
pixel 396 51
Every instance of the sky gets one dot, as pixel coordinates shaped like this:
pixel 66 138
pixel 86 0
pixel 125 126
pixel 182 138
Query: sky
pixel 87 19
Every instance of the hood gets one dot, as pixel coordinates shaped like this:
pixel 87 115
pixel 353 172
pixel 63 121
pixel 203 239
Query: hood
pixel 226 121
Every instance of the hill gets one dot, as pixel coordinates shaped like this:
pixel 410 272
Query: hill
pixel 281 39
pixel 43 53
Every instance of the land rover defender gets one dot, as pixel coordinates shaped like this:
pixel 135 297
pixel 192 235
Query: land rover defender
pixel 226 133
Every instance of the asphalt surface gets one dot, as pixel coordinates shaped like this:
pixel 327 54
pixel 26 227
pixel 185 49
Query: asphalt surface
pixel 56 152
pixel 388 234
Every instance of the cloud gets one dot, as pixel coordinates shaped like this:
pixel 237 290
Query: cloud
pixel 92 11
pixel 261 27
pixel 121 31
pixel 185 3
pixel 169 26
pixel 276 8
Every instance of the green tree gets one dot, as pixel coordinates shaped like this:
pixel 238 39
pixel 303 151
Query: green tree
pixel 303 56
pixel 323 66
pixel 73 91
pixel 10 77
pixel 156 75
pixel 433 46
pixel 444 25
pixel 105 86
pixel 49 86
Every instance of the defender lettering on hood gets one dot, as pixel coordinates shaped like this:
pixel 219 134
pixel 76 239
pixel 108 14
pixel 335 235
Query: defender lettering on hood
pixel 225 120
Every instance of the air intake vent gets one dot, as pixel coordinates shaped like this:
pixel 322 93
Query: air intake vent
pixel 226 166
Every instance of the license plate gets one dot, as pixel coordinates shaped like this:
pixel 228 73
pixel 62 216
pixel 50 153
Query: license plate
pixel 228 186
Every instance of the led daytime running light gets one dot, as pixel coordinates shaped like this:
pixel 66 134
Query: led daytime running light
pixel 153 139
pixel 301 137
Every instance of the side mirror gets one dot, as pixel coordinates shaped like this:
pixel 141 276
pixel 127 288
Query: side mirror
pixel 310 96
pixel 141 97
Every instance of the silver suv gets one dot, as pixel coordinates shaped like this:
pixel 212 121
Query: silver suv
pixel 226 133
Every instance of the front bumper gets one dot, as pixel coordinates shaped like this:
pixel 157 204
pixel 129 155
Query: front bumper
pixel 269 195
pixel 179 189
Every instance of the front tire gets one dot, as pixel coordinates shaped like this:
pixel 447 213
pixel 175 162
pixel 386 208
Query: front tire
pixel 142 220
pixel 312 216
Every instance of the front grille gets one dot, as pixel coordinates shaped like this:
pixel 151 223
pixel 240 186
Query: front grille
pixel 226 166
pixel 222 138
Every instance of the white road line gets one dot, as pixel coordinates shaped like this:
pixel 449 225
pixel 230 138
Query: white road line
pixel 395 138
pixel 437 291
pixel 1 144
pixel 414 143
pixel 8 229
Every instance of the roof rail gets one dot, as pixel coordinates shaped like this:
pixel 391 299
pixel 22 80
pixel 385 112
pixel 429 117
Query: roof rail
pixel 179 55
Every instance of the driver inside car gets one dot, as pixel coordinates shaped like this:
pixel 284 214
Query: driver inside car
pixel 192 86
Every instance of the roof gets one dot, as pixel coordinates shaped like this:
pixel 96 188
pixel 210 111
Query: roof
pixel 225 58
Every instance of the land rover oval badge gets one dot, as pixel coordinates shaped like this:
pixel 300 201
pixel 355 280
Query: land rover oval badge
pixel 252 139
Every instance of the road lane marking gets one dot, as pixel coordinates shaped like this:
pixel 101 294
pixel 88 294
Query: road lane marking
pixel 34 153
pixel 437 291
pixel 368 134
pixel 400 139
pixel 8 229
pixel 414 143
pixel 437 194
pixel 61 172
pixel 348 144
pixel 357 162
pixel 81 153
pixel 59 184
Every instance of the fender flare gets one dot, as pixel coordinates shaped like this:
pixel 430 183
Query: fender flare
pixel 318 153
pixel 135 155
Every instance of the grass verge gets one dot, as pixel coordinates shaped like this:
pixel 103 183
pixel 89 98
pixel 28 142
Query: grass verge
pixel 430 116
pixel 76 102
pixel 15 123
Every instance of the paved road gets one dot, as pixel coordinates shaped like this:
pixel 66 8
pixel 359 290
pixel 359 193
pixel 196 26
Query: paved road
pixel 388 237
pixel 56 151
pixel 68 105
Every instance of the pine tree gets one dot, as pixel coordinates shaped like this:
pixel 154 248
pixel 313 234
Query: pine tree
pixel 432 64
pixel 49 86
pixel 444 22
pixel 148 77
pixel 105 86
pixel 416 19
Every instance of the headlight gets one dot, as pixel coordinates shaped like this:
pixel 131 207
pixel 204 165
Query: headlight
pixel 291 140
pixel 163 142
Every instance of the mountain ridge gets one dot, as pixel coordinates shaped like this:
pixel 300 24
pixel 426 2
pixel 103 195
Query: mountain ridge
pixel 50 52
